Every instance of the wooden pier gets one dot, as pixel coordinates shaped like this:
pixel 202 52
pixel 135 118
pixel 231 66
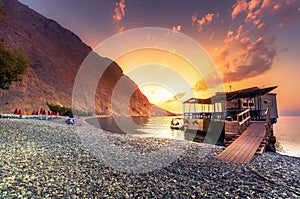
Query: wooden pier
pixel 249 139
pixel 244 147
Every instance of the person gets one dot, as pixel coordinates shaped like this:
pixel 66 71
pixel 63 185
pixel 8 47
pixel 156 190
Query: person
pixel 71 119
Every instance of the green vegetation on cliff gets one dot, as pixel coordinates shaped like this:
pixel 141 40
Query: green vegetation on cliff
pixel 12 65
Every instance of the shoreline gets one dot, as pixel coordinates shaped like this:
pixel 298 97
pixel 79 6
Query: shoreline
pixel 279 149
pixel 52 159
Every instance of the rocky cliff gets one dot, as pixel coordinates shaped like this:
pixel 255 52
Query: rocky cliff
pixel 56 55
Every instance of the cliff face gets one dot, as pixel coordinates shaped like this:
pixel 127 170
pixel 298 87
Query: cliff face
pixel 56 55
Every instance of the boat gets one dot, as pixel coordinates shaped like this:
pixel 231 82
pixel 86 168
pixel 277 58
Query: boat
pixel 177 123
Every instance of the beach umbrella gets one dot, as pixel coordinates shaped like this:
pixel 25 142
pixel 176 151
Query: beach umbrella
pixel 16 111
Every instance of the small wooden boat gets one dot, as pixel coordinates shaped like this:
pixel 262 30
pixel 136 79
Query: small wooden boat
pixel 176 123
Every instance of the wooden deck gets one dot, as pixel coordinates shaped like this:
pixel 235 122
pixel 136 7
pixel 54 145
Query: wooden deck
pixel 244 147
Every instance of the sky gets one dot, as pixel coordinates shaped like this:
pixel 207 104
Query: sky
pixel 251 42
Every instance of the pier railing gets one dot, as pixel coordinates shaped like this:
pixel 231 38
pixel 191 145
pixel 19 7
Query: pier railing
pixel 234 128
pixel 238 126
pixel 244 118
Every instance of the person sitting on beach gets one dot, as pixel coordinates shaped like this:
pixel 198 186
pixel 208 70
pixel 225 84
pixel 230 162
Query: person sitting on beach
pixel 71 119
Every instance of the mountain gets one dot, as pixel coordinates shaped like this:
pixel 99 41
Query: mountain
pixel 56 55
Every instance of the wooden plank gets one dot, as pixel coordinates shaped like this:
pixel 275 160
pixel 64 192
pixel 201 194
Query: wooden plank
pixel 239 150
pixel 244 147
pixel 251 153
pixel 259 141
pixel 232 149
pixel 249 149
pixel 247 146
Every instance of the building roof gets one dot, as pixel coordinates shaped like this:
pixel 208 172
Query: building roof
pixel 248 93
pixel 244 93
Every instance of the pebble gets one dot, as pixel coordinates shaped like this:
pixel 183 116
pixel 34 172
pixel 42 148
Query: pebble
pixel 48 159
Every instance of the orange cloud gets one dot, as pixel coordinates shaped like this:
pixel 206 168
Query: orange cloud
pixel 254 4
pixel 210 81
pixel 206 20
pixel 200 86
pixel 260 26
pixel 209 17
pixel 176 28
pixel 250 17
pixel 239 7
pixel 176 97
pixel 194 18
pixel 229 37
pixel 241 57
pixel 119 11
pixel 239 32
pixel 256 9
pixel 267 6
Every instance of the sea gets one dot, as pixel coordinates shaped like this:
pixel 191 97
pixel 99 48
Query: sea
pixel 286 130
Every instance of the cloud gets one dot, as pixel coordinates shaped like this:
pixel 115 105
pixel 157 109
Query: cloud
pixel 239 32
pixel 176 28
pixel 194 18
pixel 239 7
pixel 200 86
pixel 285 11
pixel 261 25
pixel 210 81
pixel 229 37
pixel 176 97
pixel 209 17
pixel 267 7
pixel 119 11
pixel 203 21
pixel 242 56
pixel 253 4
pixel 255 58
pixel 247 52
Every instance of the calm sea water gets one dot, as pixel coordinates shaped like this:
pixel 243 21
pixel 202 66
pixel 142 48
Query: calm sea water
pixel 286 130
pixel 145 127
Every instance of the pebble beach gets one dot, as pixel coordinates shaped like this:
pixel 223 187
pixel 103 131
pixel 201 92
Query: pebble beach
pixel 49 159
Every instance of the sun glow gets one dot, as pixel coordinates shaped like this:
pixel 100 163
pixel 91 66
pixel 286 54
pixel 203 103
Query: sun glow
pixel 156 94
pixel 166 65
pixel 160 75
